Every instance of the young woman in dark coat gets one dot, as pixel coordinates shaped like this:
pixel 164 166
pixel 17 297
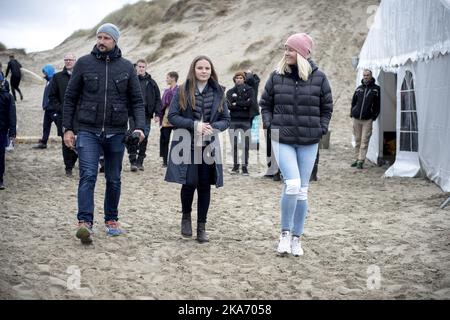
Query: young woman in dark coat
pixel 199 112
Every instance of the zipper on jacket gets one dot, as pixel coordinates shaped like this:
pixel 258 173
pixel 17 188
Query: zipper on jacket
pixel 295 96
pixel 106 93
pixel 362 106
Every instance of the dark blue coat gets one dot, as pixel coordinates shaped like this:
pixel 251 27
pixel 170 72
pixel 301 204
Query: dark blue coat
pixel 7 112
pixel 184 121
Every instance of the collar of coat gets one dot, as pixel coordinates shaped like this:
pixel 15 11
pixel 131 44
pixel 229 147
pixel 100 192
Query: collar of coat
pixel 115 53
pixel 370 83
pixel 146 76
pixel 218 94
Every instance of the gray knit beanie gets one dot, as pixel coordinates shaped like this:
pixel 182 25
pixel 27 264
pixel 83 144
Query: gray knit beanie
pixel 110 29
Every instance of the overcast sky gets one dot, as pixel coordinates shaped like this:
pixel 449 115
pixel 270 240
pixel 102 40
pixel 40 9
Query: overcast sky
pixel 37 25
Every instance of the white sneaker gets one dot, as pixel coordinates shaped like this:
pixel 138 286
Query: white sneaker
pixel 10 147
pixel 284 247
pixel 296 247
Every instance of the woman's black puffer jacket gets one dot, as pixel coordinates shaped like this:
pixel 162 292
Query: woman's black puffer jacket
pixel 300 110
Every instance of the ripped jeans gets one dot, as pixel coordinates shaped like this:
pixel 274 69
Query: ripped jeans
pixel 296 163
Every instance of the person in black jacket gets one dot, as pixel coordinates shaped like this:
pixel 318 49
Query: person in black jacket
pixel 50 115
pixel 296 105
pixel 198 113
pixel 240 101
pixel 56 91
pixel 7 123
pixel 103 89
pixel 152 103
pixel 16 75
pixel 364 111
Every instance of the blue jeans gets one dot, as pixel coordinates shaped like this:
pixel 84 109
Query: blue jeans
pixel 89 146
pixel 296 163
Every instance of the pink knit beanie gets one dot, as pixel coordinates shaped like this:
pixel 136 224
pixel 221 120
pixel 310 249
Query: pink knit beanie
pixel 301 42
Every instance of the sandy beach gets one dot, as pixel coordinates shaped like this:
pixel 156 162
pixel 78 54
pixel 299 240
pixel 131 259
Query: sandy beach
pixel 366 236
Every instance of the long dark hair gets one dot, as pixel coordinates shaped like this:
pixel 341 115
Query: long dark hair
pixel 187 89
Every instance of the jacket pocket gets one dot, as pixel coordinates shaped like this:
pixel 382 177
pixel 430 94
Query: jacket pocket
pixel 121 82
pixel 119 115
pixel 91 82
pixel 87 113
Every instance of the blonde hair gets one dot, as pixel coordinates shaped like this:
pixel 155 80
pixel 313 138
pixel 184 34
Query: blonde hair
pixel 304 67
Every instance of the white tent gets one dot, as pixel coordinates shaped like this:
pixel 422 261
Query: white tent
pixel 408 51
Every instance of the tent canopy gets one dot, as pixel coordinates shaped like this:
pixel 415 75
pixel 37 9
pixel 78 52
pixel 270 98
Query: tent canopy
pixel 406 30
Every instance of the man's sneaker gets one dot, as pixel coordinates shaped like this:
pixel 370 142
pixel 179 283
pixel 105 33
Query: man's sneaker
pixel 284 246
pixel 296 247
pixel 40 145
pixel 133 168
pixel 235 169
pixel 69 173
pixel 84 232
pixel 354 164
pixel 140 166
pixel 359 165
pixel 10 146
pixel 112 228
pixel 277 176
pixel 244 171
pixel 2 186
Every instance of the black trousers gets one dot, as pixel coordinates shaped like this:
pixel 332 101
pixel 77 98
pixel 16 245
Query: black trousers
pixel 242 129
pixel 15 81
pixel 315 168
pixel 164 140
pixel 49 118
pixel 272 165
pixel 203 192
pixel 70 156
pixel 136 154
pixel 2 155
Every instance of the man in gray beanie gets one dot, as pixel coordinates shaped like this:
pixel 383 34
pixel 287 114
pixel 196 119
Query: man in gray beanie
pixel 111 30
pixel 103 90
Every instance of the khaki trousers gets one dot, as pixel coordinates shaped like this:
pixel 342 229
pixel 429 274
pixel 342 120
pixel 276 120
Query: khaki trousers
pixel 362 130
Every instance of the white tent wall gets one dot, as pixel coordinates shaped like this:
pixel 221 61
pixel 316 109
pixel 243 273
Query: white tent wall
pixel 432 82
pixel 406 30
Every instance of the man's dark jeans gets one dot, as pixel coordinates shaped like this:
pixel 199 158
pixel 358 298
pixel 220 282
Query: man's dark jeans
pixel 88 147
